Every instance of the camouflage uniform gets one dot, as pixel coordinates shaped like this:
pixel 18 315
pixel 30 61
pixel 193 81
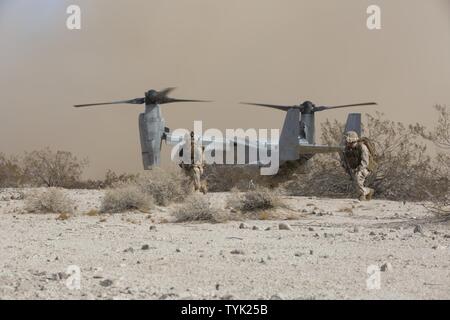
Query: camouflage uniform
pixel 357 156
pixel 194 169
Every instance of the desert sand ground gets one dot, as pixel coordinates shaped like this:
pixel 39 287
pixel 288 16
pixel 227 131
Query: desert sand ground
pixel 147 256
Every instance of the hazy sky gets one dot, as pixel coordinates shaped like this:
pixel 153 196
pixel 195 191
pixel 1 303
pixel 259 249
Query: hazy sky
pixel 274 51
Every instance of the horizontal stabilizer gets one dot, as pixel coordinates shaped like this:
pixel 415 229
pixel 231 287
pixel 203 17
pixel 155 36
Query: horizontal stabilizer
pixel 313 149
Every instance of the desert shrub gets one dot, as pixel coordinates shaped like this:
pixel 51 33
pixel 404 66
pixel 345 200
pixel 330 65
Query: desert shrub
pixel 403 172
pixel 324 177
pixel 164 186
pixel 52 169
pixel 112 179
pixel 223 178
pixel 11 175
pixel 258 199
pixel 126 198
pixel 440 137
pixel 198 208
pixel 52 200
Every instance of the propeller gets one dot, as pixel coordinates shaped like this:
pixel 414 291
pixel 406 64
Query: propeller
pixel 151 97
pixel 324 108
pixel 308 106
pixel 133 101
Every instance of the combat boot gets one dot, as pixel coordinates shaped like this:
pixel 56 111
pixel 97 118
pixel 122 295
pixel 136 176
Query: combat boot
pixel 204 189
pixel 370 195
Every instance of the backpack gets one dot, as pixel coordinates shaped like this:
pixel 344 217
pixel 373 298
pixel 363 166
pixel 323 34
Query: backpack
pixel 372 153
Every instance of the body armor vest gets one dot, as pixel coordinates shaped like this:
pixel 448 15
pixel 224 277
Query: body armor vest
pixel 353 156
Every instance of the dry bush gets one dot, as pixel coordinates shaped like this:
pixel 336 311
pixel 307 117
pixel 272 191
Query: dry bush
pixel 255 200
pixel 11 175
pixel 126 198
pixel 440 137
pixel 52 200
pixel 223 178
pixel 198 208
pixel 164 186
pixel 403 172
pixel 52 169
pixel 112 179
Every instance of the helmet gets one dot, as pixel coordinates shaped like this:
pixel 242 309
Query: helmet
pixel 351 137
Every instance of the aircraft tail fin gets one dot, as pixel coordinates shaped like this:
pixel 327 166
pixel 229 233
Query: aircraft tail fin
pixel 354 123
pixel 289 136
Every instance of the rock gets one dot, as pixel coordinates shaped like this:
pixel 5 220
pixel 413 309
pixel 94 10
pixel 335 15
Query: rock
pixel 106 283
pixel 311 252
pixel 310 229
pixel 276 297
pixel 255 228
pixel 145 247
pixel 418 229
pixel 178 250
pixel 298 254
pixel 63 216
pixel 284 226
pixel 237 251
pixel 372 233
pixel 227 297
pixel 59 276
pixel 386 267
pixel 355 229
pixel 166 296
pixel 129 250
pixel 268 229
pixel 243 226
pixel 152 228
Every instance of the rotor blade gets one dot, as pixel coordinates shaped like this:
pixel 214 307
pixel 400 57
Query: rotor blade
pixel 165 92
pixel 323 108
pixel 274 106
pixel 133 101
pixel 173 100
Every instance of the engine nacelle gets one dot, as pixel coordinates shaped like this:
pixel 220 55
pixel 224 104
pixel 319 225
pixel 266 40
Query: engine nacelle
pixel 151 128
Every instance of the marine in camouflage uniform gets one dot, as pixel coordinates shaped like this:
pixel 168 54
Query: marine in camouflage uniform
pixel 359 160
pixel 194 169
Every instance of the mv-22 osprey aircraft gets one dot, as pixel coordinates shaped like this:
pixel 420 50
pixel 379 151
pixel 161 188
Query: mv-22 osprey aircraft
pixel 296 142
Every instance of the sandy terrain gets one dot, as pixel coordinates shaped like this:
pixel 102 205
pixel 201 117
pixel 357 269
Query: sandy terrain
pixel 137 255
